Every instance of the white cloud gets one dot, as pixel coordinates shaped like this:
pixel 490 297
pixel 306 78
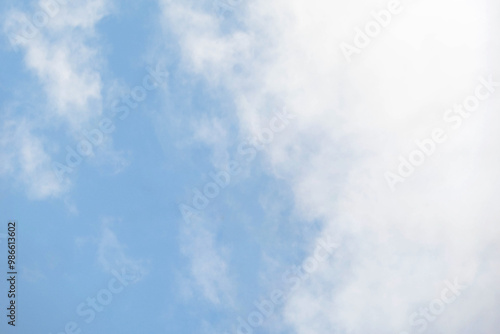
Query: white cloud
pixel 63 53
pixel 111 253
pixel 24 156
pixel 208 268
pixel 354 120
pixel 213 133
pixel 64 58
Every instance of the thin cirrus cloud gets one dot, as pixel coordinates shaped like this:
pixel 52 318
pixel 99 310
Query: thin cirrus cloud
pixel 208 266
pixel 64 56
pixel 112 254
pixel 353 121
pixel 24 156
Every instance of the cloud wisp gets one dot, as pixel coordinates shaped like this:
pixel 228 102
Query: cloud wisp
pixel 353 119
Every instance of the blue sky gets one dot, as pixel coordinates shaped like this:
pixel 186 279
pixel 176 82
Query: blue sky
pixel 222 158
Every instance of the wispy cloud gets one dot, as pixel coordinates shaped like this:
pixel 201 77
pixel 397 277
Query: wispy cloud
pixel 66 60
pixel 112 254
pixel 24 156
pixel 64 55
pixel 207 265
pixel 352 121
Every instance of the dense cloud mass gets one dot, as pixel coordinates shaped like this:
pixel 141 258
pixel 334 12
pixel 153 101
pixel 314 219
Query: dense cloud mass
pixel 394 148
